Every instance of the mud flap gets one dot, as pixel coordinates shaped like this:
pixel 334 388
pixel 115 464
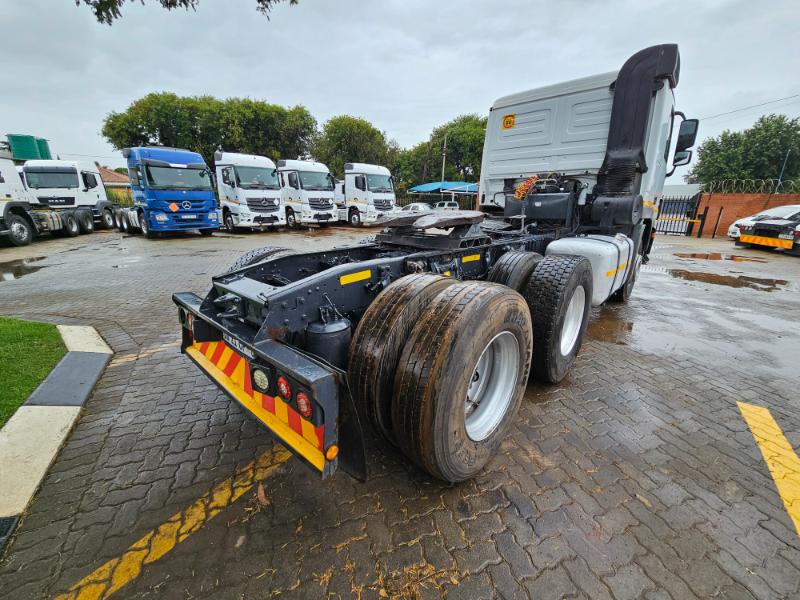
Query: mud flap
pixel 352 448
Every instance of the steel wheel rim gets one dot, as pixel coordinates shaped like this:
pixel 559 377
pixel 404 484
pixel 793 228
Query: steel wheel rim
pixel 19 231
pixel 143 223
pixel 108 219
pixel 492 384
pixel 573 319
pixel 229 221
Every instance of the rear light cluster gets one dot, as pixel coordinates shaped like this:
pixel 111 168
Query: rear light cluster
pixel 283 387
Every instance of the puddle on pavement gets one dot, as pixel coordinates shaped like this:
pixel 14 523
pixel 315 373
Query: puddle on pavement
pixel 719 256
pixel 608 327
pixel 14 269
pixel 735 281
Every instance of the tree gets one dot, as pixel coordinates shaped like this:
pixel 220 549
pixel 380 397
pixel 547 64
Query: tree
pixel 423 162
pixel 350 139
pixel 205 124
pixel 108 11
pixel 755 153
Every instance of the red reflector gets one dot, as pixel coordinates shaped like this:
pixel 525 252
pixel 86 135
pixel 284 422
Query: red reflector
pixel 303 404
pixel 284 389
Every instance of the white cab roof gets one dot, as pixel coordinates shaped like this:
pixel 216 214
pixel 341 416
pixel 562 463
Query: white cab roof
pixel 81 166
pixel 244 160
pixel 558 89
pixel 366 169
pixel 302 165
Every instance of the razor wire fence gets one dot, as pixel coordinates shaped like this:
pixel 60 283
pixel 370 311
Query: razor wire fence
pixel 752 186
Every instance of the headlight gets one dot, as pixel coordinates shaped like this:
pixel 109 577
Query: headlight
pixel 161 217
pixel 212 216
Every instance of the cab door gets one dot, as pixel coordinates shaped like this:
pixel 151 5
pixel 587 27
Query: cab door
pixel 226 183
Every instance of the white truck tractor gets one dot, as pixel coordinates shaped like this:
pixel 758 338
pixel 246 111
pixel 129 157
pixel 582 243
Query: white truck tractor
pixel 249 191
pixel 307 192
pixel 366 195
pixel 63 198
pixel 582 132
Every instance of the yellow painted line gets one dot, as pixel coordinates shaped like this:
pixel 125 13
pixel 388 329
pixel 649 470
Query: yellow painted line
pixel 613 272
pixel 649 203
pixel 783 463
pixel 470 258
pixel 766 241
pixel 447 273
pixel 118 572
pixel 353 277
pixel 678 219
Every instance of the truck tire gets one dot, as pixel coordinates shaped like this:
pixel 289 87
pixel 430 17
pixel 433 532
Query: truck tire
pixel 71 227
pixel 559 295
pixel 291 221
pixel 354 217
pixel 623 294
pixel 124 224
pixel 379 340
pixel 461 378
pixel 254 256
pixel 106 219
pixel 85 221
pixel 514 268
pixel 20 231
pixel 227 218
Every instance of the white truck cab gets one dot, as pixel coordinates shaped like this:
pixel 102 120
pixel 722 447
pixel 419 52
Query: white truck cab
pixel 249 191
pixel 65 184
pixel 366 195
pixel 307 192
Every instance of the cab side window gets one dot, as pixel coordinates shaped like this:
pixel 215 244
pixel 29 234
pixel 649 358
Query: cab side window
pixel 89 180
pixel 293 181
pixel 133 175
pixel 227 176
pixel 361 182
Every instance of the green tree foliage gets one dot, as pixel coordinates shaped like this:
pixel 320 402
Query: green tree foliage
pixel 108 11
pixel 423 162
pixel 205 124
pixel 350 139
pixel 755 153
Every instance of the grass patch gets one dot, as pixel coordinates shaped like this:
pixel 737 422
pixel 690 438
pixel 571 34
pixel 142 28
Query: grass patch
pixel 28 352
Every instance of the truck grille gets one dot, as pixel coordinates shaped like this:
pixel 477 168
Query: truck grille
pixel 56 200
pixel 263 204
pixel 320 203
pixel 383 204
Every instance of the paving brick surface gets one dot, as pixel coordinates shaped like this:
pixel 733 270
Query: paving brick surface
pixel 634 478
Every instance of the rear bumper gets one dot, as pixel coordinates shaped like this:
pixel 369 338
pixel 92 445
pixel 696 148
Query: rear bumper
pixel 228 358
pixel 761 240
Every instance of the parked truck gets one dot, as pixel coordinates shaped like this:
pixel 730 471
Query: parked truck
pixel 307 192
pixel 429 337
pixel 172 191
pixel 366 195
pixel 63 198
pixel 249 191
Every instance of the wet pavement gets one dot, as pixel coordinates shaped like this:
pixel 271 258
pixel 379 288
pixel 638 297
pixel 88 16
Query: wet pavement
pixel 636 477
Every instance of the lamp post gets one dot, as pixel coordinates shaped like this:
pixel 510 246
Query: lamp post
pixel 444 154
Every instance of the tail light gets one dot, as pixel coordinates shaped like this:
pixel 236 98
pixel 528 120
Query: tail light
pixel 303 404
pixel 284 389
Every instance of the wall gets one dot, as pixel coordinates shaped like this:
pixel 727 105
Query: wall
pixel 736 206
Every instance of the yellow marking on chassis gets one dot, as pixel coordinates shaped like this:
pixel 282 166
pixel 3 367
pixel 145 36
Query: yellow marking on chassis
pixel 118 572
pixel 613 272
pixel 783 463
pixel 470 258
pixel 760 240
pixel 354 277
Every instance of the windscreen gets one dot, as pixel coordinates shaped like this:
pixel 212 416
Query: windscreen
pixel 315 180
pixel 779 212
pixel 52 179
pixel 380 183
pixel 178 178
pixel 257 178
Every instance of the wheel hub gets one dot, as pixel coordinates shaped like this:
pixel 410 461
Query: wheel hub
pixel 491 387
pixel 19 231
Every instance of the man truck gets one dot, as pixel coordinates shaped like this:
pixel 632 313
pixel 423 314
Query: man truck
pixel 307 192
pixel 249 191
pixel 171 192
pixel 429 333
pixel 63 198
pixel 366 195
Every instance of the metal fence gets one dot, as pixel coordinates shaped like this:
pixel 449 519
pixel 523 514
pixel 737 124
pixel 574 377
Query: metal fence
pixel 753 186
pixel 678 215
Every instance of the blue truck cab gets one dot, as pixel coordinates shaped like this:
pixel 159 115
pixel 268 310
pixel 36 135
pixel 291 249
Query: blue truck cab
pixel 172 191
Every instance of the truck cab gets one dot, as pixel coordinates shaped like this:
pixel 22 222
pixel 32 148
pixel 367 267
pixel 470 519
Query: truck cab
pixel 249 191
pixel 307 192
pixel 171 191
pixel 366 195
pixel 58 184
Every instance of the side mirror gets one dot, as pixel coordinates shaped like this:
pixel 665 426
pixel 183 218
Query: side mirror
pixel 684 157
pixel 686 135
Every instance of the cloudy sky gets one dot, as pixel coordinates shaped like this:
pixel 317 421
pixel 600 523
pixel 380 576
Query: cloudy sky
pixel 405 65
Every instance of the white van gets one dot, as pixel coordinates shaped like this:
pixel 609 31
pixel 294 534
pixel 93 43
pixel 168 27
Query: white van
pixel 366 195
pixel 307 192
pixel 249 191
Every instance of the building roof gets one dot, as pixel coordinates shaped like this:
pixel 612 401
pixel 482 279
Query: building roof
pixel 110 177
